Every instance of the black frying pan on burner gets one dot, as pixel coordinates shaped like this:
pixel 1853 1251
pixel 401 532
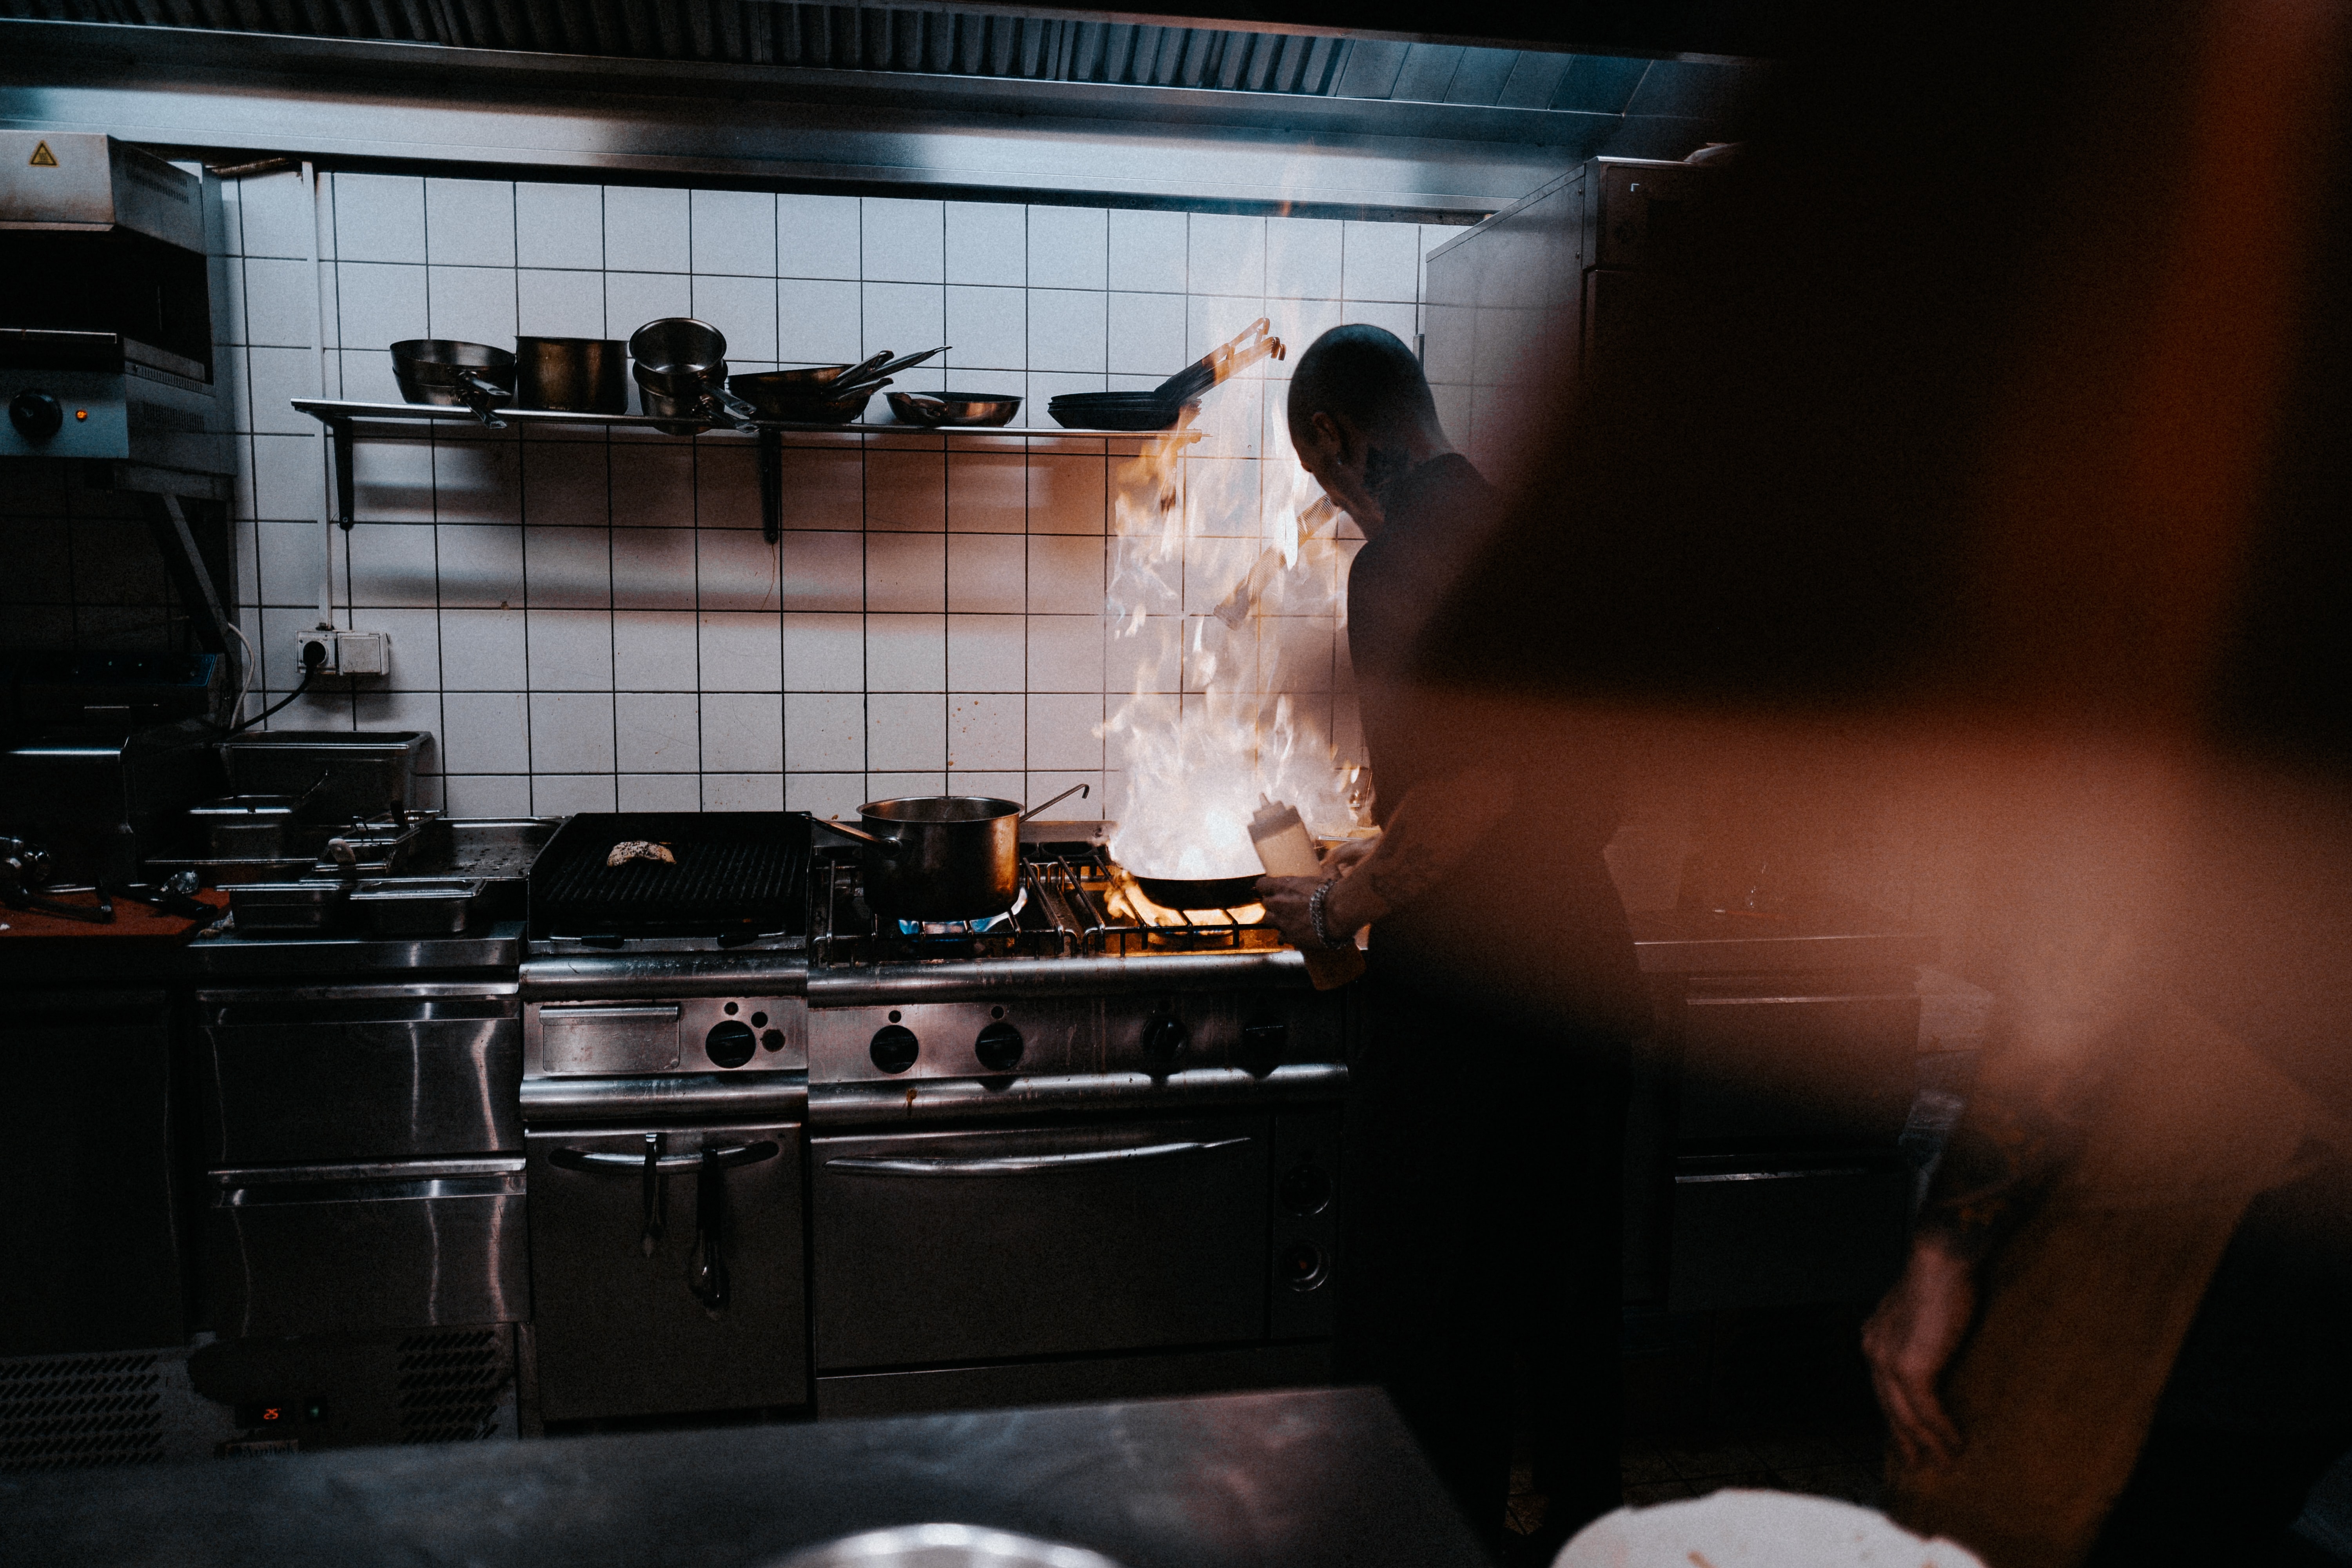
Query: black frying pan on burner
pixel 1199 892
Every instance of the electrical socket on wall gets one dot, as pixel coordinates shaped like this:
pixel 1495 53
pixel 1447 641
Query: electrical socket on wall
pixel 343 653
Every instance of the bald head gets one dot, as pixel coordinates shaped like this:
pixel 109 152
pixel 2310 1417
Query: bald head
pixel 1366 376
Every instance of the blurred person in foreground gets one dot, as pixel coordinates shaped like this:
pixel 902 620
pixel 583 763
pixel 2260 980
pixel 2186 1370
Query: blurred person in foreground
pixel 1485 1192
pixel 1982 485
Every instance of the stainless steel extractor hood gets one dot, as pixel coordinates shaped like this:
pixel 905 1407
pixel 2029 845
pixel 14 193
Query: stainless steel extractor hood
pixel 985 97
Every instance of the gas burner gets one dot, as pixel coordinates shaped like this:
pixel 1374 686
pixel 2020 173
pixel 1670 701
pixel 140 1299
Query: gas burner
pixel 1075 901
pixel 967 928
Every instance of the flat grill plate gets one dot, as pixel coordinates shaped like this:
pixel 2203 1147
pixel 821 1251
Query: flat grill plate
pixel 734 869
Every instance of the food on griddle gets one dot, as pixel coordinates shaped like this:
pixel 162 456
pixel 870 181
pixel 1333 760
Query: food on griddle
pixel 630 849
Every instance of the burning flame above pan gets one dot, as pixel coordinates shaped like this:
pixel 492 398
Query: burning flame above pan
pixel 1256 539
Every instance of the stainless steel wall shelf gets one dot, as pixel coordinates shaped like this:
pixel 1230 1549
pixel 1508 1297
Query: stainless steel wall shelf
pixel 341 418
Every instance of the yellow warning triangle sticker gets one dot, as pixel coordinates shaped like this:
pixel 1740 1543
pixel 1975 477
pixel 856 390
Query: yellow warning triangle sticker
pixel 42 157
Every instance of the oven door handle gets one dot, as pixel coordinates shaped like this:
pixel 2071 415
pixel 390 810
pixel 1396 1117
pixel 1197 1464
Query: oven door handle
pixel 1019 1164
pixel 599 1160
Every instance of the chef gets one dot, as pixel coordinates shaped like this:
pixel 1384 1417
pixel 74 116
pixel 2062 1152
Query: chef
pixel 1486 1111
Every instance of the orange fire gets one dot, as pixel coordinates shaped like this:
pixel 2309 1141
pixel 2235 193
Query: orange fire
pixel 1193 531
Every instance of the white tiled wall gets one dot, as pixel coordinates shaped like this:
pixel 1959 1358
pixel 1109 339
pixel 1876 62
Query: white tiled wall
pixel 591 621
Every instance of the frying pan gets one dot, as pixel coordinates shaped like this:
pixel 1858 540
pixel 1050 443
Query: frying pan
pixel 448 373
pixel 1181 894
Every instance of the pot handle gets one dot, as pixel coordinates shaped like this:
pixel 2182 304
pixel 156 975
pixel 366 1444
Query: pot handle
pixel 1074 789
pixel 872 840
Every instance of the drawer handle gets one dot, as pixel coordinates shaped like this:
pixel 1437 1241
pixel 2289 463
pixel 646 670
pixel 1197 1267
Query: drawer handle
pixel 599 1160
pixel 1018 1165
pixel 1808 1173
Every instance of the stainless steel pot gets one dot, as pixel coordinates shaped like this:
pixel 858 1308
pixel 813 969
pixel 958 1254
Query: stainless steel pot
pixel 942 857
pixel 681 358
pixel 576 375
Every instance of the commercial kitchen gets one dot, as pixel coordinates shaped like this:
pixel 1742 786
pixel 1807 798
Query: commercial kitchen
pixel 652 651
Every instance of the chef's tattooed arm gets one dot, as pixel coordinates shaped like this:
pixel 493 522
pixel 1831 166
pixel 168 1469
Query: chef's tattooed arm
pixel 1429 836
pixel 2019 1130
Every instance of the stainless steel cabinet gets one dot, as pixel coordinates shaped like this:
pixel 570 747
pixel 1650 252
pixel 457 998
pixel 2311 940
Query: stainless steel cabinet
pixel 352 1249
pixel 629 1319
pixel 421 1070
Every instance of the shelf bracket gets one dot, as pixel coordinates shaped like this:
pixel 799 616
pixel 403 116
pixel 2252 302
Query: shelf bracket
pixel 339 430
pixel 771 485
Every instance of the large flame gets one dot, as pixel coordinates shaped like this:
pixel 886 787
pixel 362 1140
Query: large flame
pixel 1196 766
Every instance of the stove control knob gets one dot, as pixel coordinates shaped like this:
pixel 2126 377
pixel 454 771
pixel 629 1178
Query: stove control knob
pixel 35 414
pixel 895 1047
pixel 730 1044
pixel 1262 1043
pixel 998 1048
pixel 1163 1040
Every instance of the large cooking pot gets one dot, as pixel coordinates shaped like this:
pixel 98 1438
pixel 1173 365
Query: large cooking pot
pixel 575 375
pixel 942 857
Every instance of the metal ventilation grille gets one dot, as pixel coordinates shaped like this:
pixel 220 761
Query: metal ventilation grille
pixel 449 1385
pixel 76 1411
pixel 755 32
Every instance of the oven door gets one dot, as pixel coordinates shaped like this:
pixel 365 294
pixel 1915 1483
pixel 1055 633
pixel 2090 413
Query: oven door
pixel 671 1290
pixel 948 1247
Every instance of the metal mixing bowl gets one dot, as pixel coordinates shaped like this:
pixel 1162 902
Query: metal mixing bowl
pixel 945 1546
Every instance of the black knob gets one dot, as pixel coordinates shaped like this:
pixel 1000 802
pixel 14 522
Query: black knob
pixel 772 1039
pixel 1304 1190
pixel 1303 1265
pixel 998 1048
pixel 895 1047
pixel 1163 1040
pixel 1262 1043
pixel 730 1044
pixel 35 414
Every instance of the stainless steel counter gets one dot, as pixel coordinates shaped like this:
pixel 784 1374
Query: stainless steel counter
pixel 1827 936
pixel 226 955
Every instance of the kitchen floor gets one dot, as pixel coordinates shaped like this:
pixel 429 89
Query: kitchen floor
pixel 1775 1399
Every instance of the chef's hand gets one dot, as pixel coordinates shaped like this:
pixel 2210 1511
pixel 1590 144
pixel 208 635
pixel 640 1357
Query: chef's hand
pixel 1909 1342
pixel 1286 905
pixel 1347 855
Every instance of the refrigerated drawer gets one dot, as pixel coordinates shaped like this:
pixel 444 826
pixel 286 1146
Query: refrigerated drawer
pixel 1785 1235
pixel 1779 1065
pixel 627 1321
pixel 361 1073
pixel 941 1247
pixel 354 1248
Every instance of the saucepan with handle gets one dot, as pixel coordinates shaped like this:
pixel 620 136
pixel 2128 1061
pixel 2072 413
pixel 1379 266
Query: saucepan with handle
pixel 942 857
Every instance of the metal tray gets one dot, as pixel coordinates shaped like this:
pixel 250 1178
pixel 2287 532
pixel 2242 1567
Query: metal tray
pixel 417 906
pixel 314 904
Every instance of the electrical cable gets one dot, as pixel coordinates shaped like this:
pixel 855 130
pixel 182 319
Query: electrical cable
pixel 246 666
pixel 313 655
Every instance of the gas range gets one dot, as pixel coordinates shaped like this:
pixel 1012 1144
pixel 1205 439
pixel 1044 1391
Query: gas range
pixel 1111 1135
pixel 1084 994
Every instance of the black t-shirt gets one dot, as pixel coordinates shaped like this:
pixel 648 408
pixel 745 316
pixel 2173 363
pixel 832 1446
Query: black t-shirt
pixel 1531 920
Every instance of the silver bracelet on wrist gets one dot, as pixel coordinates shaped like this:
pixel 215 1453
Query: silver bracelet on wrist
pixel 1315 902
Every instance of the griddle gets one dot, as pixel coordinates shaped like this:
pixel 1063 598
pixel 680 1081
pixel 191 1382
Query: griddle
pixel 738 873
